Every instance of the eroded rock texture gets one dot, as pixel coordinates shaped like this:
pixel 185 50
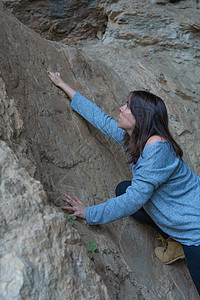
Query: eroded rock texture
pixel 157 47
pixel 41 254
pixel 74 19
pixel 44 140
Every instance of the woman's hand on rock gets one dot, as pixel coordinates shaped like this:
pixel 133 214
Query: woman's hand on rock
pixel 76 206
pixel 55 78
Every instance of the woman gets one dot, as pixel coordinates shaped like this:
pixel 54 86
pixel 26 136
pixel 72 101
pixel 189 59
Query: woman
pixel 163 193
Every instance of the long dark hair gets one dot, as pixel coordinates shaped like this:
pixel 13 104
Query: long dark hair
pixel 151 118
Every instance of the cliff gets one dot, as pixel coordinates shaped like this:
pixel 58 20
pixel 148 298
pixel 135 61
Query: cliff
pixel 46 149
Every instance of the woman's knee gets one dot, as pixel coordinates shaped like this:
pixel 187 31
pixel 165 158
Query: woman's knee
pixel 121 187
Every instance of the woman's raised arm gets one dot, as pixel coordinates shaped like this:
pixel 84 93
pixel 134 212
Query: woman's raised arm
pixel 88 110
pixel 57 80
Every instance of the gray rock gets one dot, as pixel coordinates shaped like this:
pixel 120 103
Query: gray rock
pixel 43 256
pixel 58 20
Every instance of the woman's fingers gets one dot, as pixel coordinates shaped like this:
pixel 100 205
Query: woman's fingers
pixel 65 199
pixel 67 196
pixel 77 207
pixel 69 202
pixel 77 200
pixel 54 77
pixel 49 74
pixel 53 74
pixel 68 199
pixel 68 208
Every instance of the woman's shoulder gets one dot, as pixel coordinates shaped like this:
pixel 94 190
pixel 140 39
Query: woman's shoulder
pixel 155 142
pixel 159 154
pixel 157 146
pixel 155 138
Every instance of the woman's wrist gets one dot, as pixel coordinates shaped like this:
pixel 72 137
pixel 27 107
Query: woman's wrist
pixel 61 84
pixel 67 89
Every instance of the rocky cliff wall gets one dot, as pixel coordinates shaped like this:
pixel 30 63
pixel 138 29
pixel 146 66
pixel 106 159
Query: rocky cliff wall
pixel 43 137
pixel 57 20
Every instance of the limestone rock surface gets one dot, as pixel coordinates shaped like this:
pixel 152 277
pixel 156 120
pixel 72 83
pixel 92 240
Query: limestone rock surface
pixel 47 149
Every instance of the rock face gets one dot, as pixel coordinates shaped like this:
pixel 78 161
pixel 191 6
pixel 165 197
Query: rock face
pixel 40 251
pixel 156 47
pixel 43 256
pixel 75 19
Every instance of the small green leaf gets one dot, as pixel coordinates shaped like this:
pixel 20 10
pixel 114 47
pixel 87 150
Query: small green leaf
pixel 71 217
pixel 92 249
pixel 90 255
pixel 93 244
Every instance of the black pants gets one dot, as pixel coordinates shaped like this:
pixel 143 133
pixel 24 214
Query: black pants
pixel 192 253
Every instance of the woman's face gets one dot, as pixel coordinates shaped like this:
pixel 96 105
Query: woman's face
pixel 126 120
